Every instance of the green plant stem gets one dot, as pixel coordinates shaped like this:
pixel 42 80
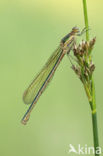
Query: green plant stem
pixel 93 102
pixel 86 19
pixel 95 131
pixel 94 119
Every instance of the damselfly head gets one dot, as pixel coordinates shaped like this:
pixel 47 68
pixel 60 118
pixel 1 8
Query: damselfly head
pixel 75 30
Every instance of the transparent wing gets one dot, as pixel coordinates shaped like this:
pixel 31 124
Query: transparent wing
pixel 31 92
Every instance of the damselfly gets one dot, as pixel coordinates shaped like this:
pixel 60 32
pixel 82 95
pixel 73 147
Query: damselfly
pixel 36 88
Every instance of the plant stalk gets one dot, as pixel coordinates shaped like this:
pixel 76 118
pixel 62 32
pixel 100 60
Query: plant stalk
pixel 93 102
pixel 86 19
pixel 95 131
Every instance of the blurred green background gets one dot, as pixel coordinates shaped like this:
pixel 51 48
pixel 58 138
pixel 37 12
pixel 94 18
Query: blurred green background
pixel 29 32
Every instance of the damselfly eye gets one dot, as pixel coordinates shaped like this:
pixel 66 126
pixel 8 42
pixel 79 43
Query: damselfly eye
pixel 75 30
